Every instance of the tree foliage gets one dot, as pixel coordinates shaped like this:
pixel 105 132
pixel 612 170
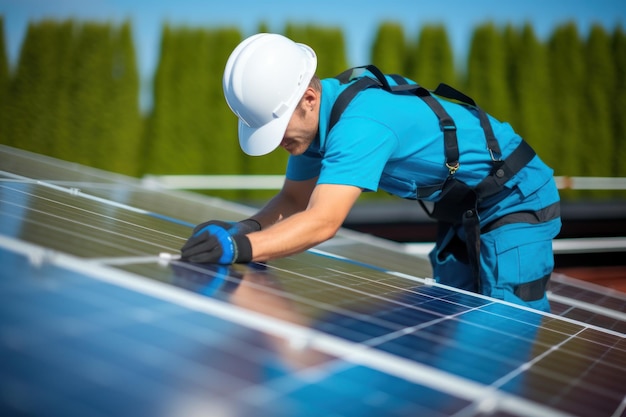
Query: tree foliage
pixel 486 71
pixel 529 83
pixel 389 51
pixel 4 85
pixel 618 97
pixel 432 61
pixel 190 129
pixel 74 95
pixel 327 42
pixel 599 76
pixel 567 72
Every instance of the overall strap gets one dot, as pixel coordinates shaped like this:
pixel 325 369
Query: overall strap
pixel 346 97
pixel 351 91
pixel 352 73
pixel 444 90
pixel 446 124
pixel 504 170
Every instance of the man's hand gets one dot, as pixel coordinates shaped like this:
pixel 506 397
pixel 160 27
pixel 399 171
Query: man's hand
pixel 220 242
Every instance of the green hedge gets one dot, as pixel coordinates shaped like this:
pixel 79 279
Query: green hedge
pixel 74 93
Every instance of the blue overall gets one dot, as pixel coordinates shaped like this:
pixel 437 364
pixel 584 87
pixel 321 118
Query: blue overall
pixel 394 142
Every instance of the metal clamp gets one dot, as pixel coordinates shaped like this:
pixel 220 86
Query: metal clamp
pixel 493 158
pixel 453 168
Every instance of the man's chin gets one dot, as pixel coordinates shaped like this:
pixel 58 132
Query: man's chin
pixel 296 150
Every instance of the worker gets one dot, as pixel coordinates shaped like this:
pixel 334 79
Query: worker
pixel 496 202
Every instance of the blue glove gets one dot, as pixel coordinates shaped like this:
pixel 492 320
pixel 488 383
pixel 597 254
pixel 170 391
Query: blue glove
pixel 234 228
pixel 220 242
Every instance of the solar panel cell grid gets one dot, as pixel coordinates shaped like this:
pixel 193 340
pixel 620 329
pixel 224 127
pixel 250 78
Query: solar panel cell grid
pixel 119 352
pixel 88 301
pixel 589 293
pixel 590 317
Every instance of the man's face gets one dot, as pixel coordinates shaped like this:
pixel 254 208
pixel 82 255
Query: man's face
pixel 302 128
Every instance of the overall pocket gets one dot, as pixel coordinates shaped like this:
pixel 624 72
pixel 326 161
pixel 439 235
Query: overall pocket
pixel 518 254
pixel 450 263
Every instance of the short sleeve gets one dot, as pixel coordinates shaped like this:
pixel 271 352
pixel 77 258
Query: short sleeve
pixel 357 150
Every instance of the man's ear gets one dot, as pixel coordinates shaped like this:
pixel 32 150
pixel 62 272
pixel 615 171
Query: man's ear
pixel 310 99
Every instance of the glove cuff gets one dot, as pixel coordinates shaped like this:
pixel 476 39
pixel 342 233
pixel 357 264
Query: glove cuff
pixel 244 249
pixel 248 226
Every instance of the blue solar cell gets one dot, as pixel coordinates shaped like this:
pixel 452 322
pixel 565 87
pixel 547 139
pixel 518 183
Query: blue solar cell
pixel 350 328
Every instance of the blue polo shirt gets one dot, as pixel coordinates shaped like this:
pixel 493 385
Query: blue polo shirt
pixel 393 142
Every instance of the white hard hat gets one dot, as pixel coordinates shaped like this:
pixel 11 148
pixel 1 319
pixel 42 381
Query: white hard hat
pixel 265 78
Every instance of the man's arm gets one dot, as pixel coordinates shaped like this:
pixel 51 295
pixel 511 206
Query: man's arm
pixel 292 198
pixel 300 216
pixel 290 227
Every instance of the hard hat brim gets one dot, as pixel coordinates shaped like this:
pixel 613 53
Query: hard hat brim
pixel 263 140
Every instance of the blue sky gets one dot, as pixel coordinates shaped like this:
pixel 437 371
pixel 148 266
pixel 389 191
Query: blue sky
pixel 358 19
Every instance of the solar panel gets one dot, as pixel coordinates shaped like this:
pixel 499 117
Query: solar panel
pixel 588 302
pixel 95 322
